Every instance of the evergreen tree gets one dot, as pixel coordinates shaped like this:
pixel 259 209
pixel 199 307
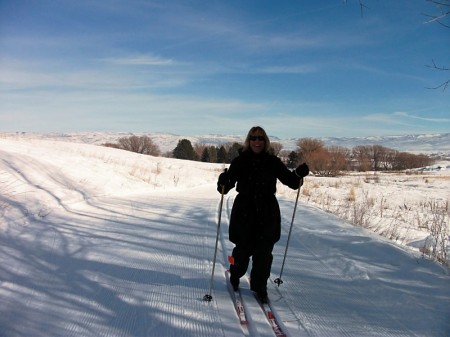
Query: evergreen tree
pixel 233 152
pixel 184 150
pixel 222 155
pixel 205 156
pixel 292 160
pixel 212 151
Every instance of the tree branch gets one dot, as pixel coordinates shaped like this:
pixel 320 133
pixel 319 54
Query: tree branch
pixel 443 85
pixel 444 9
pixel 362 6
pixel 444 6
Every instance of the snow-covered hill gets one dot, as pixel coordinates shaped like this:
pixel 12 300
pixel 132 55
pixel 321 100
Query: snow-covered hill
pixel 421 143
pixel 99 242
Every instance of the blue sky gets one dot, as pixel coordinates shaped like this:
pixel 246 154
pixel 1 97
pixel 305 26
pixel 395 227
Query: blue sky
pixel 298 68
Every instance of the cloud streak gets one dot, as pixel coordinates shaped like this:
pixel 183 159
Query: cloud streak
pixel 428 119
pixel 145 60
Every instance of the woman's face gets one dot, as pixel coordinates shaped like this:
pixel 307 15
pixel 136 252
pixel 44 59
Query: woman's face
pixel 257 143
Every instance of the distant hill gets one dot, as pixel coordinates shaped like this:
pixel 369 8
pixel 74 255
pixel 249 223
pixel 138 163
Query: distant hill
pixel 420 143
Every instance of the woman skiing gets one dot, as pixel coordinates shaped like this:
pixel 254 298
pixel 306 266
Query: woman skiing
pixel 255 223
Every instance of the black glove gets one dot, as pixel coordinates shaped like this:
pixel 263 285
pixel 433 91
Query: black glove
pixel 223 178
pixel 302 170
pixel 223 181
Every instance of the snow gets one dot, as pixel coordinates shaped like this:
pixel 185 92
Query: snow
pixel 96 241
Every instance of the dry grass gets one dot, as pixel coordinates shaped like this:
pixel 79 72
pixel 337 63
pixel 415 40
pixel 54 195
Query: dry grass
pixel 403 207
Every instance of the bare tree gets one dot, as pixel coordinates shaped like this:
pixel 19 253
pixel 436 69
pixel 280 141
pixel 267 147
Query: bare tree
pixel 333 160
pixel 200 149
pixel 276 148
pixel 442 14
pixel 316 155
pixel 307 147
pixel 143 145
pixel 319 163
pixel 339 158
pixel 361 156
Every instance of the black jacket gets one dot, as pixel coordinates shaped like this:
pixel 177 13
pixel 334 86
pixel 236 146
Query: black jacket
pixel 256 213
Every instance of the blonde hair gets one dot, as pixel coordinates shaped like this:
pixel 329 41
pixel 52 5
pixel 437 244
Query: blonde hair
pixel 257 131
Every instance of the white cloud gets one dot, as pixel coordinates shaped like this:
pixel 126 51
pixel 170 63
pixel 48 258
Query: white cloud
pixel 148 60
pixel 381 118
pixel 428 119
pixel 296 69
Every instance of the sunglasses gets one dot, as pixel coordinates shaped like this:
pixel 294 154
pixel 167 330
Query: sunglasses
pixel 260 138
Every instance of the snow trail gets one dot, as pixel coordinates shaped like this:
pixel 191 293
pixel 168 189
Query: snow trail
pixel 88 249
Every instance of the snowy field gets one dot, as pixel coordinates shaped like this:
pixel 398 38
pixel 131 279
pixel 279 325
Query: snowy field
pixel 411 208
pixel 96 241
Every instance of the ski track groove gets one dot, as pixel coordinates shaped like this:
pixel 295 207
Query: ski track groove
pixel 113 280
pixel 101 265
pixel 257 326
pixel 311 318
pixel 226 248
pixel 314 323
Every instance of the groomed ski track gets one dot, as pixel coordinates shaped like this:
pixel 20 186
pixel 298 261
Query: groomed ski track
pixel 327 290
pixel 86 264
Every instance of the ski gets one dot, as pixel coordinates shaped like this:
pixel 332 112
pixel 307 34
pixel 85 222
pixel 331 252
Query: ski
pixel 271 318
pixel 237 301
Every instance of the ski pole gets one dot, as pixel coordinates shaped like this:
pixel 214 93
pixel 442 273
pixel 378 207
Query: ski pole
pixel 278 280
pixel 208 297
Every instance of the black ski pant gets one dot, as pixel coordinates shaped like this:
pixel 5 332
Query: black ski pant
pixel 261 253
